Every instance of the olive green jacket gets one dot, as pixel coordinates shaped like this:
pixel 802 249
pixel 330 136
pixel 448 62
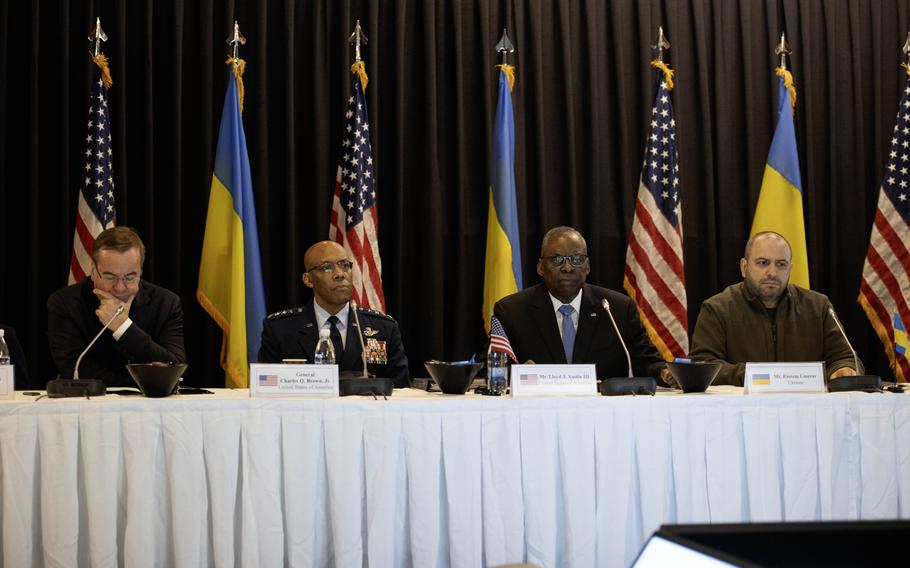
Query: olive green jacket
pixel 735 328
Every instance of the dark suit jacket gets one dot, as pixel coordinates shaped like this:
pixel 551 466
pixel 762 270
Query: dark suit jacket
pixel 156 333
pixel 17 359
pixel 292 334
pixel 530 324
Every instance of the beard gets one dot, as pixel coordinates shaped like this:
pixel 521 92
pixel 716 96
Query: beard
pixel 766 296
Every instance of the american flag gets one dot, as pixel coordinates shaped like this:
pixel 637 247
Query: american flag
pixel 268 380
pixel 885 286
pixel 654 275
pixel 95 210
pixel 499 341
pixel 355 217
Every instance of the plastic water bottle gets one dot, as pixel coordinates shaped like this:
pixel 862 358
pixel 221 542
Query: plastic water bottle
pixel 325 351
pixel 4 348
pixel 497 372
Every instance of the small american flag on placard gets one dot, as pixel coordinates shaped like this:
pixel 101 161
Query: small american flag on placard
pixel 884 292
pixel 268 380
pixel 499 341
pixel 654 275
pixel 355 219
pixel 95 210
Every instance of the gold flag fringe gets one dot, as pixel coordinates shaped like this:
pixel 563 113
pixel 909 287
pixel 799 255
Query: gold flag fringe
pixel 668 73
pixel 509 70
pixel 101 61
pixel 239 66
pixel 359 69
pixel 788 82
pixel 906 68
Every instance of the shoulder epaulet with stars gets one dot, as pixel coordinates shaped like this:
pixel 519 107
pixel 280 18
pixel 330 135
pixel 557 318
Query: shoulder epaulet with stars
pixel 285 313
pixel 373 312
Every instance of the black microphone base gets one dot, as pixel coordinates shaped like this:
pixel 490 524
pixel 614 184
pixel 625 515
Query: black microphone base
pixel 376 386
pixel 868 383
pixel 75 387
pixel 628 385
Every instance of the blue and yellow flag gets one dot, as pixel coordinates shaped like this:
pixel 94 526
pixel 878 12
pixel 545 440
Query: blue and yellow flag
pixel 230 273
pixel 502 270
pixel 900 337
pixel 780 201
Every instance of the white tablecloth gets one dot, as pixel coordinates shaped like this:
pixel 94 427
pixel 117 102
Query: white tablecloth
pixel 430 480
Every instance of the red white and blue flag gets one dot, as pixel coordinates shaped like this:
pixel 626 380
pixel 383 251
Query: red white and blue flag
pixel 499 341
pixel 355 218
pixel 95 210
pixel 884 292
pixel 654 274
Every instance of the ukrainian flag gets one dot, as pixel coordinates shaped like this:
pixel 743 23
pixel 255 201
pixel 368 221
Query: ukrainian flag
pixel 230 274
pixel 780 201
pixel 900 337
pixel 502 270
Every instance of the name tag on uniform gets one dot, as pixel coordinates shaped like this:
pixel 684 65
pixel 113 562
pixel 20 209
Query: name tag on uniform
pixel 293 380
pixel 530 380
pixel 7 382
pixel 784 377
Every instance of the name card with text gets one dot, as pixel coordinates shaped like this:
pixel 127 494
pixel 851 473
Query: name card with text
pixel 784 377
pixel 531 380
pixel 7 382
pixel 294 380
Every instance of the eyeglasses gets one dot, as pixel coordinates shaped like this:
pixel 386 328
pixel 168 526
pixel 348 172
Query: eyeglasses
pixel 329 267
pixel 112 279
pixel 558 260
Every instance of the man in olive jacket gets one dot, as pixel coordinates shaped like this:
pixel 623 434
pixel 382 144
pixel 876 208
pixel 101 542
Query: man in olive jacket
pixel 764 318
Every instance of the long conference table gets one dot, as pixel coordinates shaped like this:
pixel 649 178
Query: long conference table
pixel 427 479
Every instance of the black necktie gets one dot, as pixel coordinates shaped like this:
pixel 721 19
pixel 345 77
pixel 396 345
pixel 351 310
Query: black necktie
pixel 336 338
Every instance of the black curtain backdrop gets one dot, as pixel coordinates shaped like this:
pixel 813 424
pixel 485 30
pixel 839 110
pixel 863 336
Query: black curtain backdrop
pixel 582 103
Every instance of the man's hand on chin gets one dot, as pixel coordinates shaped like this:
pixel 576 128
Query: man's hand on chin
pixel 108 308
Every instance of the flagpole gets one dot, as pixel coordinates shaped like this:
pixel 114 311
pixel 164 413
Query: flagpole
pixel 357 38
pixel 662 44
pixel 505 47
pixel 783 49
pixel 97 36
pixel 236 40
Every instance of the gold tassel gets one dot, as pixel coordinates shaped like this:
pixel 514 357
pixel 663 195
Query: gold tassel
pixel 788 83
pixel 360 70
pixel 101 61
pixel 668 73
pixel 509 70
pixel 239 66
pixel 906 68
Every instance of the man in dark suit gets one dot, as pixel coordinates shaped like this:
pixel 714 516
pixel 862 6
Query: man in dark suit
pixel 150 327
pixel 293 333
pixel 563 320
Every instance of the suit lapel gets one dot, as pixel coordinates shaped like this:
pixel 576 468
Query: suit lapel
pixel 308 334
pixel 589 316
pixel 545 320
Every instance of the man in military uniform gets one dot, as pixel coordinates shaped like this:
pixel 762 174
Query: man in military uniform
pixel 293 333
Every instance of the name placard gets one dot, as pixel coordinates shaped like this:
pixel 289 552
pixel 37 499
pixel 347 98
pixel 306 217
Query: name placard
pixel 7 384
pixel 293 380
pixel 575 380
pixel 784 377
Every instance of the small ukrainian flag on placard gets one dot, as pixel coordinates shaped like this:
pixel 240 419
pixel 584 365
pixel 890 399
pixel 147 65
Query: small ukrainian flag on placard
pixel 761 379
pixel 900 336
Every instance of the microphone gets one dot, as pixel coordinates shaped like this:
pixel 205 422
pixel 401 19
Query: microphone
pixel 867 383
pixel 630 384
pixel 364 384
pixel 58 388
pixel 606 305
pixel 363 349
